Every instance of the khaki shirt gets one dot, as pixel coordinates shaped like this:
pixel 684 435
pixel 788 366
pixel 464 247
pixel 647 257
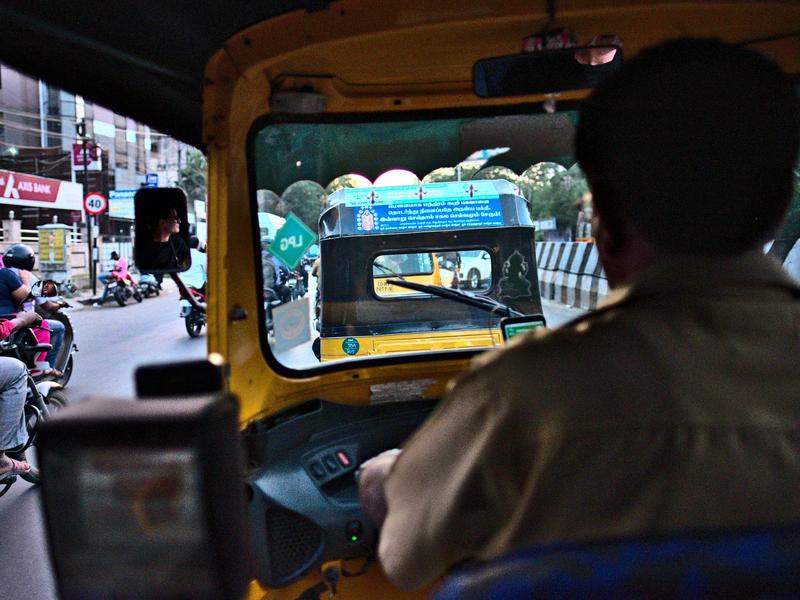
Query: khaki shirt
pixel 675 406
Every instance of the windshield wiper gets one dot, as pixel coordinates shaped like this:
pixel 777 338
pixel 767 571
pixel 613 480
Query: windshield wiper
pixel 386 269
pixel 484 302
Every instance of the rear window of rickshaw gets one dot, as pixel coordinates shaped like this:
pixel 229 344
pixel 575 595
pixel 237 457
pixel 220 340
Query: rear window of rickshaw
pixel 297 167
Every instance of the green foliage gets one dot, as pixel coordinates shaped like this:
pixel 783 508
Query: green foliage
pixel 468 171
pixel 192 177
pixel 269 201
pixel 497 172
pixel 346 181
pixel 306 200
pixel 557 196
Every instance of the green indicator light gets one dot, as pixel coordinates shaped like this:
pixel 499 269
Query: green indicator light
pixel 353 538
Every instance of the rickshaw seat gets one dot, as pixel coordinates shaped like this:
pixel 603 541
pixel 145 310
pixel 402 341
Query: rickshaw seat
pixel 761 562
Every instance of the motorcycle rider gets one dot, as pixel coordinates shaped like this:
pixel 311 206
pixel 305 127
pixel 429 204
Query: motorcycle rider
pixel 18 262
pixel 196 276
pixel 274 273
pixel 13 388
pixel 119 271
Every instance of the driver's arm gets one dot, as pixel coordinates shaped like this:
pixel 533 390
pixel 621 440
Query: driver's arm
pixel 20 294
pixel 446 493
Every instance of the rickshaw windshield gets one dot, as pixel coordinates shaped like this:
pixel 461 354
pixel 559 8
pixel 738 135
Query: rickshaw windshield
pixel 347 206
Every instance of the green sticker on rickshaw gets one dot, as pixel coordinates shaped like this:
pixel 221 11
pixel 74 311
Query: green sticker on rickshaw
pixel 350 346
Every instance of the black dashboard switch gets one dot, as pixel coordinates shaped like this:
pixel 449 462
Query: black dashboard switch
pixel 343 459
pixel 330 463
pixel 354 529
pixel 316 470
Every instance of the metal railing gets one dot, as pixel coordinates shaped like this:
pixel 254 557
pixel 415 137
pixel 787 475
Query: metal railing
pixel 29 236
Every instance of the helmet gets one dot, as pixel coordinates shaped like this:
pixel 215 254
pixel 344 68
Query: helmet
pixel 19 256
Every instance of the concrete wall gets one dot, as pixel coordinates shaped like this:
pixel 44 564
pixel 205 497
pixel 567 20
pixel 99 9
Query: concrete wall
pixel 570 272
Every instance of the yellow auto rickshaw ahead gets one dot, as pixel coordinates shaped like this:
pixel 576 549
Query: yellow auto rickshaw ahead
pixel 383 255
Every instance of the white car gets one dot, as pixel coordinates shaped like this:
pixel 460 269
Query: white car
pixel 475 269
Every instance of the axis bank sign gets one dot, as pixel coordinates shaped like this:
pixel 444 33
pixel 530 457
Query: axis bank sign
pixel 29 190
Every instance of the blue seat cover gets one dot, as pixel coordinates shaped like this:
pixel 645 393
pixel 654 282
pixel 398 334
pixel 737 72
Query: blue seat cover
pixel 751 563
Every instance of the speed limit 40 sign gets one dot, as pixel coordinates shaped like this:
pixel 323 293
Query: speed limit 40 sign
pixel 95 203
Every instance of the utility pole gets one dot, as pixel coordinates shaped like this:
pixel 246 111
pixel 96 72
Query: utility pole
pixel 80 128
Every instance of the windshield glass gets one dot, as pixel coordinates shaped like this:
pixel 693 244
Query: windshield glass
pixel 344 208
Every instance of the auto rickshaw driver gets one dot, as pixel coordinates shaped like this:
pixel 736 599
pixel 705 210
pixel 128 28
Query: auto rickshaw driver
pixel 693 424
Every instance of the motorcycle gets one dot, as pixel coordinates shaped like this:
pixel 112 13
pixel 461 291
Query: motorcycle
pixel 148 285
pixel 194 318
pixel 42 397
pixel 64 361
pixel 271 300
pixel 122 289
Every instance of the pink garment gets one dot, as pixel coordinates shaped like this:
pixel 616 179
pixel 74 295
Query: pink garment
pixel 6 327
pixel 120 268
pixel 42 334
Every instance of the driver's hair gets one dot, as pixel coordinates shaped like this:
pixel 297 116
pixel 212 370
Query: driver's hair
pixel 693 142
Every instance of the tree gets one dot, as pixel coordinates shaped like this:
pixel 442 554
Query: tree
pixel 468 170
pixel 351 180
pixel 192 177
pixel 269 201
pixel 306 200
pixel 556 196
pixel 497 172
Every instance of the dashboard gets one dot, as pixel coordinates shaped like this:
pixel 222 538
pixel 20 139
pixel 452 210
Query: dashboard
pixel 303 506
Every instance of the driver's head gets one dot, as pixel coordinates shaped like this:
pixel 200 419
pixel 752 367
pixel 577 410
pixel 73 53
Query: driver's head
pixel 114 256
pixel 691 146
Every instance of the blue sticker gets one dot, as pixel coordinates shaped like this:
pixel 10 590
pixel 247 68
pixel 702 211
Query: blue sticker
pixel 429 215
pixel 350 346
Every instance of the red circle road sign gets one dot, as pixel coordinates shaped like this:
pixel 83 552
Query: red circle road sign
pixel 95 203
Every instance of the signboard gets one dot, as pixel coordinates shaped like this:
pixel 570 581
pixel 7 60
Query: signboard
pixel 427 216
pixel 545 225
pixel 93 157
pixel 151 180
pixel 52 244
pixel 291 324
pixel 120 204
pixel 292 241
pixel 95 203
pixel 42 192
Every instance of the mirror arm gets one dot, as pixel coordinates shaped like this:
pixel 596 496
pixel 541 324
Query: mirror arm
pixel 187 294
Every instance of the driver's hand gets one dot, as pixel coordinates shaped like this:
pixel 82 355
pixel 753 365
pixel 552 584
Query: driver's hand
pixel 371 484
pixel 26 319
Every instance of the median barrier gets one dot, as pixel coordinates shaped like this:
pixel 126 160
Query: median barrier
pixel 570 273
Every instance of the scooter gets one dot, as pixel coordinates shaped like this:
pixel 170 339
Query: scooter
pixel 148 285
pixel 64 361
pixel 194 317
pixel 42 398
pixel 122 289
pixel 271 300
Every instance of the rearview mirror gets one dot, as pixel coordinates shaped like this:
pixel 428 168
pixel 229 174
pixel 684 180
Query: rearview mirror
pixel 545 71
pixel 161 244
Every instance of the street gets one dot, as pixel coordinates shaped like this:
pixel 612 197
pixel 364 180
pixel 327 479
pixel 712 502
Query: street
pixel 113 341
